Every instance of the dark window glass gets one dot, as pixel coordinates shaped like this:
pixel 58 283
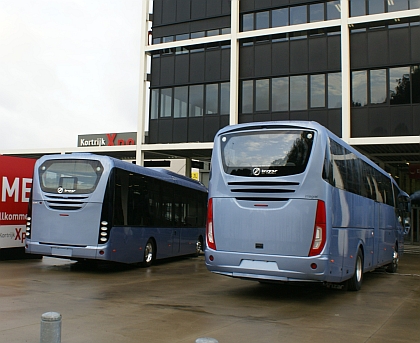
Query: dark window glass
pixel 262 20
pixel 262 95
pixel 154 104
pixel 212 33
pixel 180 101
pixel 317 90
pixel 166 102
pixel 359 88
pixel 196 101
pixel 70 176
pixel 224 98
pixel 415 80
pixel 378 86
pixel 339 165
pixel 298 15
pixel 298 93
pixel 333 10
pixel 225 30
pixel 248 22
pixel 271 153
pixel 198 34
pixel 376 6
pixel 247 96
pixel 334 90
pixel 316 12
pixel 399 85
pixel 212 98
pixel 184 36
pixel 357 8
pixel 156 40
pixel 397 5
pixel 280 94
pixel 414 4
pixel 280 17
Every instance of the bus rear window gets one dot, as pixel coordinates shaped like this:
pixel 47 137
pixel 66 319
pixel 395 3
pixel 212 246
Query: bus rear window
pixel 70 176
pixel 268 154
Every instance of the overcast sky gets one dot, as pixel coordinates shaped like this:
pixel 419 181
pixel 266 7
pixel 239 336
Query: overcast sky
pixel 67 67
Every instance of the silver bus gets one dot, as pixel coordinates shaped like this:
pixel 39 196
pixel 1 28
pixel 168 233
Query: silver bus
pixel 291 201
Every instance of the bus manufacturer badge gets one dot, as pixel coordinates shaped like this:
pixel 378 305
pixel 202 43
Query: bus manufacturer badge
pixel 60 190
pixel 256 171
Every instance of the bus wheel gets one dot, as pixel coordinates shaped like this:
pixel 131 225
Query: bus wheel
pixel 149 253
pixel 393 266
pixel 355 283
pixel 198 246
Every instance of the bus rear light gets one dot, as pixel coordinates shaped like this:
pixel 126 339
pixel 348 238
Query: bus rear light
pixel 320 230
pixel 211 243
pixel 103 239
pixel 101 252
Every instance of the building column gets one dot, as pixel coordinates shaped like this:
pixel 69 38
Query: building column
pixel 345 72
pixel 234 62
pixel 188 167
pixel 142 110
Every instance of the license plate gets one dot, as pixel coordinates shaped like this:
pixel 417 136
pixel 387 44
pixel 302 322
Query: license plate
pixel 66 252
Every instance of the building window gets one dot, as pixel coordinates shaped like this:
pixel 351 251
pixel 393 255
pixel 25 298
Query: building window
pixel 196 102
pixel 359 88
pixel 166 102
pixel 224 98
pixel 317 90
pixel 298 15
pixel 280 17
pixel 357 8
pixel 212 98
pixel 334 90
pixel 378 86
pixel 154 104
pixel 333 10
pixel 399 86
pixel 376 6
pixel 298 93
pixel 247 96
pixel 262 20
pixel 180 102
pixel 280 94
pixel 262 95
pixel 397 5
pixel 415 81
pixel 248 22
pixel 316 12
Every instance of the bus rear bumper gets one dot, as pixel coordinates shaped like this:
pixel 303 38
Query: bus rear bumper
pixel 271 267
pixel 70 252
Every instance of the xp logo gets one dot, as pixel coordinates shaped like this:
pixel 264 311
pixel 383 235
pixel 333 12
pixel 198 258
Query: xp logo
pixel 60 190
pixel 256 171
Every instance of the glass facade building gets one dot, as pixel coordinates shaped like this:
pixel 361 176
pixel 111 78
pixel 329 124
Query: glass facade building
pixel 353 66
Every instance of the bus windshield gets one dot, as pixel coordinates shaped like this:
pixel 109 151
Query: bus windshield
pixel 70 176
pixel 271 153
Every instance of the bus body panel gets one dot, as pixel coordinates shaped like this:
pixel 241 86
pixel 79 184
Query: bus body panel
pixel 79 228
pixel 284 228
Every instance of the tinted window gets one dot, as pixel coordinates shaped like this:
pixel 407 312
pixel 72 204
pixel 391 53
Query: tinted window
pixel 272 153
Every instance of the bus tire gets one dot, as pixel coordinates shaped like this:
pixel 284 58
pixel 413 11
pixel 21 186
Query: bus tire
pixel 393 266
pixel 149 253
pixel 355 282
pixel 199 246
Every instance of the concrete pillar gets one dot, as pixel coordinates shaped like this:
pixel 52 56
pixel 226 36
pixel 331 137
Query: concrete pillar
pixel 51 327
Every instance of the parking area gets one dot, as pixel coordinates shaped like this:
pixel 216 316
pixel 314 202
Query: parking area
pixel 180 301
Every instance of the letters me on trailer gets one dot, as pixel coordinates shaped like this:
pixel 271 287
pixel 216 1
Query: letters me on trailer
pixel 15 186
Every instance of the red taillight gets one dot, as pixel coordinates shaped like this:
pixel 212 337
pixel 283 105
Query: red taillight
pixel 320 230
pixel 211 243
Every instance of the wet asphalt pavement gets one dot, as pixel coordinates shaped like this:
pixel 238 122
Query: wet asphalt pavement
pixel 180 301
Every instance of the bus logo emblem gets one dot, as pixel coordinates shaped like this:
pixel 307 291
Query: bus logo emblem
pixel 256 171
pixel 60 190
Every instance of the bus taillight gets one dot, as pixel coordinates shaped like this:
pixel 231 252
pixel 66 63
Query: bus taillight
pixel 211 243
pixel 320 230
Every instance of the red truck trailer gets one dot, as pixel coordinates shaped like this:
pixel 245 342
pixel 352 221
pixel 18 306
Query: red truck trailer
pixel 15 188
